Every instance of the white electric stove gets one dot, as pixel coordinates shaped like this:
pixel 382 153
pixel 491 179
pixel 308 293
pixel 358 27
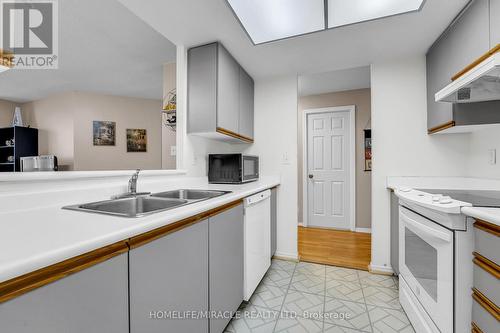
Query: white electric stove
pixel 435 256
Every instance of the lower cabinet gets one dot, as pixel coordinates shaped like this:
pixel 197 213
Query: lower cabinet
pixel 169 278
pixel 225 265
pixel 92 300
pixel 191 272
pixel 187 281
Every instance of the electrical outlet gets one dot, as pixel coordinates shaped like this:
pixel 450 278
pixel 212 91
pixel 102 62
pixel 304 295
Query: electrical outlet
pixel 492 156
pixel 173 150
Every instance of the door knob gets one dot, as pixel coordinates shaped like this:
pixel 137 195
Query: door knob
pixel 311 176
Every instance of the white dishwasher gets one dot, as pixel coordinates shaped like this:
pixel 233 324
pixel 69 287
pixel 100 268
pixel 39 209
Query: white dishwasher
pixel 257 241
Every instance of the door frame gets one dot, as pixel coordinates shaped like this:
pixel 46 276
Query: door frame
pixel 352 160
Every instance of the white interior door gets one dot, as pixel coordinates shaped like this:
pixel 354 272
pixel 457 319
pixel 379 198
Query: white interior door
pixel 328 169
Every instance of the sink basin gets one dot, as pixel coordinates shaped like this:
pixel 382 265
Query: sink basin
pixel 130 207
pixel 189 194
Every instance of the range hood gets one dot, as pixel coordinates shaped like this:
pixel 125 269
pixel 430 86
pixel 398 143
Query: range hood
pixel 479 82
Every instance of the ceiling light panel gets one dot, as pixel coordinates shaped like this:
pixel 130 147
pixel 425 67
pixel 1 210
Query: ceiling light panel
pixel 342 12
pixel 268 20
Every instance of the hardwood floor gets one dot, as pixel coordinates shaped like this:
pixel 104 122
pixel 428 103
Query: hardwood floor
pixel 335 247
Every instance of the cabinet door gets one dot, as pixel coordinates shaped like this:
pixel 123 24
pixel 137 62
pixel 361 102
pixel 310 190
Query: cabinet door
pixel 226 264
pixel 494 23
pixel 228 78
pixel 93 300
pixel 463 43
pixel 170 274
pixel 202 89
pixel 274 220
pixel 246 104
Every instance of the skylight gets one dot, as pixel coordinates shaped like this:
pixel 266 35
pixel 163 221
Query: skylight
pixel 270 20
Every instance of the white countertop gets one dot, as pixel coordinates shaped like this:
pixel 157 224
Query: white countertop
pixel 35 238
pixel 487 214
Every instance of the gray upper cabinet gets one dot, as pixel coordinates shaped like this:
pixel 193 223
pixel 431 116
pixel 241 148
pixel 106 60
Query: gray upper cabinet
pixel 220 95
pixel 226 264
pixel 246 104
pixel 170 274
pixel 494 23
pixel 461 44
pixel 227 91
pixel 92 300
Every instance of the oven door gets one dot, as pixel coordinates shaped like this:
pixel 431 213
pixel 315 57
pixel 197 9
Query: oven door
pixel 250 168
pixel 426 265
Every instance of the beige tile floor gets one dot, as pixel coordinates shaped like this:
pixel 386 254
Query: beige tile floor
pixel 310 298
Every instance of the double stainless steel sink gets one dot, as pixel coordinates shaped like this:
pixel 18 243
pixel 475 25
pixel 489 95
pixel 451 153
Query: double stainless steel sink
pixel 138 206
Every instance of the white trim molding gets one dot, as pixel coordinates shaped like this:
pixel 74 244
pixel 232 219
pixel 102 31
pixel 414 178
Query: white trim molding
pixel 382 270
pixel 365 230
pixel 352 158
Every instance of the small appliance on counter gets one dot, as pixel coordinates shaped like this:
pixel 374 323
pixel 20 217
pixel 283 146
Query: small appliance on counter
pixel 232 168
pixel 39 163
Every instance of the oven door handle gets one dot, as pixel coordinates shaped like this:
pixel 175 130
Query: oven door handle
pixel 428 231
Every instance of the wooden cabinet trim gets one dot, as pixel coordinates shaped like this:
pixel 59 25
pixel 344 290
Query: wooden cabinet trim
pixel 22 284
pixel 150 236
pixel 476 62
pixel 487 227
pixel 475 328
pixel 234 135
pixel 486 304
pixel 41 277
pixel 441 127
pixel 487 265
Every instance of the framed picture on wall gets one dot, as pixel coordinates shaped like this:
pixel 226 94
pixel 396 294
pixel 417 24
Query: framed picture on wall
pixel 368 149
pixel 137 140
pixel 104 133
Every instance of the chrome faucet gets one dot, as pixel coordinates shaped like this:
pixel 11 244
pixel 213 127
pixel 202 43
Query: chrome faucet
pixel 132 187
pixel 132 183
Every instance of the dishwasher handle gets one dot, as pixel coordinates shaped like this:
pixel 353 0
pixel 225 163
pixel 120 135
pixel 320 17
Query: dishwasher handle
pixel 256 198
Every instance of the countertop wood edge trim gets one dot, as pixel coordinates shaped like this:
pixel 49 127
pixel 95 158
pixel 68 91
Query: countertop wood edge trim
pixel 475 328
pixel 441 127
pixel 154 234
pixel 486 304
pixel 486 264
pixel 487 227
pixel 476 62
pixel 234 135
pixel 22 284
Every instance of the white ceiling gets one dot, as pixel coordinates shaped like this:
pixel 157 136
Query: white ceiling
pixel 103 48
pixel 341 80
pixel 194 22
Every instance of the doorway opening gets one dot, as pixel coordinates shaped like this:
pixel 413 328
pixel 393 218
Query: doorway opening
pixel 334 168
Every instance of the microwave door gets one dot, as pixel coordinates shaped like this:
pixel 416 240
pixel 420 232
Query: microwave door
pixel 250 168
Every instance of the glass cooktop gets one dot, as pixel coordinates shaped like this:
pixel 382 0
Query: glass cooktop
pixel 474 197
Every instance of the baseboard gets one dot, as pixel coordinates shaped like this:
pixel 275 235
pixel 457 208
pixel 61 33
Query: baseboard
pixel 381 270
pixel 286 256
pixel 365 230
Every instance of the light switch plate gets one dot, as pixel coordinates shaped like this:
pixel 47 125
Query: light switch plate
pixel 492 156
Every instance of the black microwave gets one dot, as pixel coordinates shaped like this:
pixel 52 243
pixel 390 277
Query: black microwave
pixel 232 168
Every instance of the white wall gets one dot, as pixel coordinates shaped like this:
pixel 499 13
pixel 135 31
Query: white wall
pixel 478 160
pixel 275 138
pixel 168 135
pixel 401 146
